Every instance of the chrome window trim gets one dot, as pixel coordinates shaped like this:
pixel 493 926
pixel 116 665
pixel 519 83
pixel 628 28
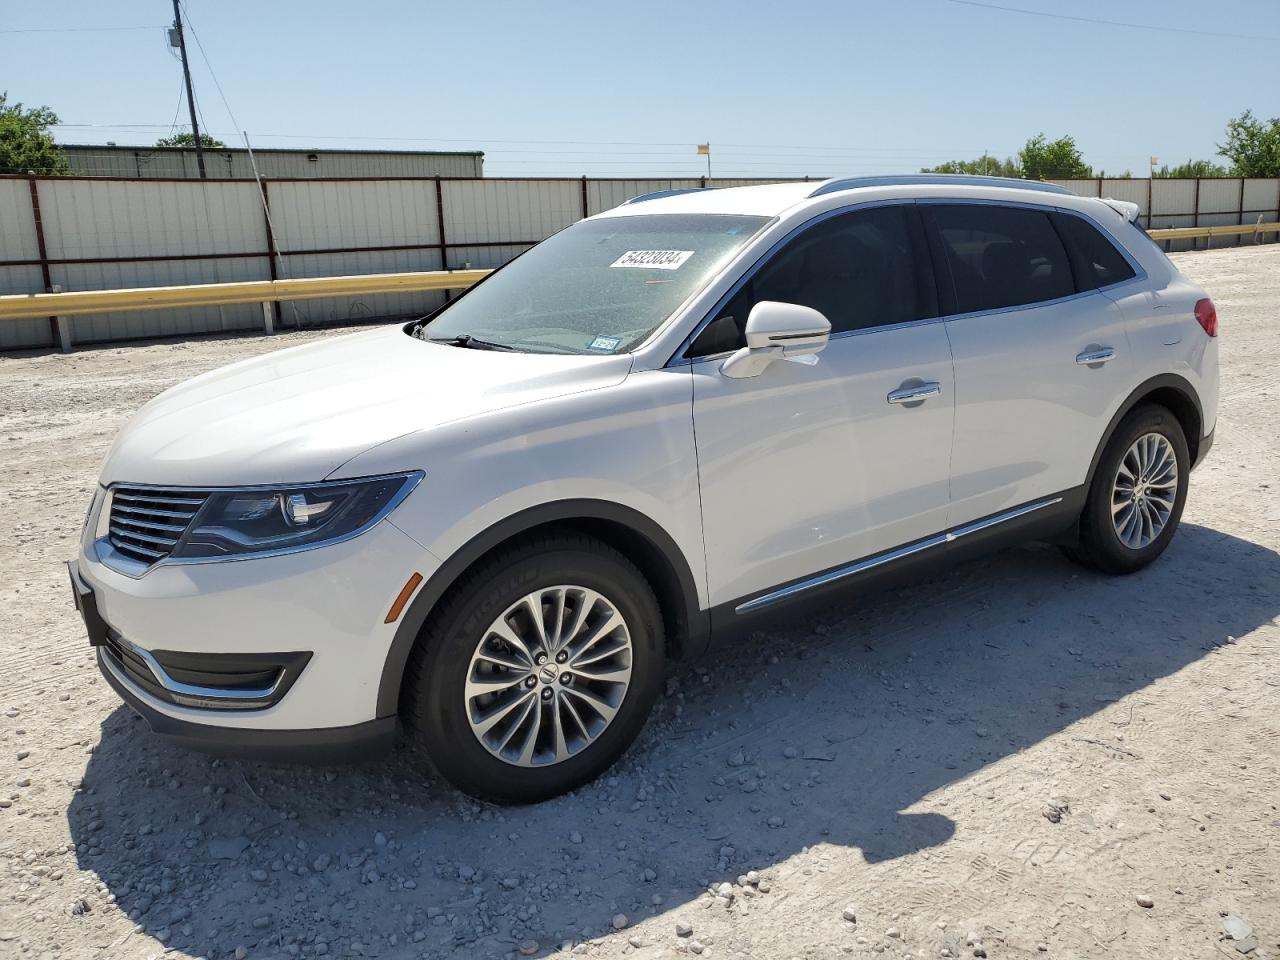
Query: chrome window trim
pixel 108 556
pixel 870 563
pixel 1139 273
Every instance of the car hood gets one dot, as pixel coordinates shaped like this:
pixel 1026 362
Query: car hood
pixel 298 414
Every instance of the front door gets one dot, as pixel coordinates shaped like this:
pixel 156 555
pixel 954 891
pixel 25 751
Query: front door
pixel 811 466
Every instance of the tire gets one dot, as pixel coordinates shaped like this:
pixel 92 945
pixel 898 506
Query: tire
pixel 1102 546
pixel 568 734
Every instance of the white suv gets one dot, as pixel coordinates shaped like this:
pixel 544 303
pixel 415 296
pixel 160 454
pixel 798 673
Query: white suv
pixel 494 526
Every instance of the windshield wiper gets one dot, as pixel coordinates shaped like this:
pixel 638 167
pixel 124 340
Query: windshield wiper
pixel 470 342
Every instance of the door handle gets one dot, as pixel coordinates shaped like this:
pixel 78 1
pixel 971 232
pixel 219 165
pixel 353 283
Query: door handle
pixel 914 394
pixel 1096 356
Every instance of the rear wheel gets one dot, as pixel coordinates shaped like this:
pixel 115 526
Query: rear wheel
pixel 1138 492
pixel 538 671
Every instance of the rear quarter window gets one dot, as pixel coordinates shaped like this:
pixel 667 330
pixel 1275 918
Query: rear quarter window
pixel 1095 258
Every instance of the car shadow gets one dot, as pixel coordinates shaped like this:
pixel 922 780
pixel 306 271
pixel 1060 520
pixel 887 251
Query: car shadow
pixel 827 730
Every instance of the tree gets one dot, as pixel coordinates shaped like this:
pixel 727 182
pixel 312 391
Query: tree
pixel 187 140
pixel 26 146
pixel 1193 168
pixel 1042 158
pixel 1253 146
pixel 986 165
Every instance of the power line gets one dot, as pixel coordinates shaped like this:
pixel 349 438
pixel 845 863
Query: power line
pixel 805 149
pixel 82 29
pixel 1114 23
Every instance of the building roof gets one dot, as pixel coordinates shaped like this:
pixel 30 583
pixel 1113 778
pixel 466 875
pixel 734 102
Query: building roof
pixel 152 148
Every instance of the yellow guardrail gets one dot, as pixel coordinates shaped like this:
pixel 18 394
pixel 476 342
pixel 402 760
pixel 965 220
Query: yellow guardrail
pixel 1228 230
pixel 80 302
pixel 77 302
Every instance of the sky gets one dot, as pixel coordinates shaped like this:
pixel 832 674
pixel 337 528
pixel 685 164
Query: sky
pixel 611 89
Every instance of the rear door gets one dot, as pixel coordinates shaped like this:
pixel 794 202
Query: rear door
pixel 810 466
pixel 1041 357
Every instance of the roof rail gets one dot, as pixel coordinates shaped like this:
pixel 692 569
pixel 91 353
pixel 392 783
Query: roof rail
pixel 942 179
pixel 661 193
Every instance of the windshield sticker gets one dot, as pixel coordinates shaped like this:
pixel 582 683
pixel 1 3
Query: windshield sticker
pixel 604 344
pixel 653 259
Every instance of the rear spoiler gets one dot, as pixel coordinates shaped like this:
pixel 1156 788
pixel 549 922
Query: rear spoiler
pixel 1125 208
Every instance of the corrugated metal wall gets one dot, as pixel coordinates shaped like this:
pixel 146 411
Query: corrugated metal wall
pixel 150 162
pixel 1208 202
pixel 112 233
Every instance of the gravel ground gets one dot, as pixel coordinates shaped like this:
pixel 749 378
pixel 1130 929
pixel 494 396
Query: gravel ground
pixel 1018 759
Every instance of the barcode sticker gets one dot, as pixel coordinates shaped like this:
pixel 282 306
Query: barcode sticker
pixel 653 259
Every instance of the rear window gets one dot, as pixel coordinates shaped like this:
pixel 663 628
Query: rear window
pixel 1097 261
pixel 1000 256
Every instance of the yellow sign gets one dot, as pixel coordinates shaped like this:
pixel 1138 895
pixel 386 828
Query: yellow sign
pixel 704 149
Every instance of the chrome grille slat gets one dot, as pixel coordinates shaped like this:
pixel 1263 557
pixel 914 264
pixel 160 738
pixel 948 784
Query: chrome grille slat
pixel 151 525
pixel 146 523
pixel 144 537
pixel 180 515
pixel 167 501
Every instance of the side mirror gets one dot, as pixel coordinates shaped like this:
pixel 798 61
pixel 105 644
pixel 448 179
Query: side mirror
pixel 778 331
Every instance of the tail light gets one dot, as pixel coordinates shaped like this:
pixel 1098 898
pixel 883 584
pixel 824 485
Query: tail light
pixel 1207 316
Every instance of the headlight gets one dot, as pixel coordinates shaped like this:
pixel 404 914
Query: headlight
pixel 258 520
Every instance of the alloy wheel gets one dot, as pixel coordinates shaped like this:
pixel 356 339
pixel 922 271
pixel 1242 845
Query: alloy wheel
pixel 1144 490
pixel 548 675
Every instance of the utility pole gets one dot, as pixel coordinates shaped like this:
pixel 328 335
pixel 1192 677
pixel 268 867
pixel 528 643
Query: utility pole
pixel 186 75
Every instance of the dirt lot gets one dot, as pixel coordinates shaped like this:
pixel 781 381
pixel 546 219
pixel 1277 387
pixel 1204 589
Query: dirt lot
pixel 1017 760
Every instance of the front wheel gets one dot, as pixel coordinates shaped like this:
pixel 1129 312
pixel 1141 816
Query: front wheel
pixel 538 671
pixel 1137 495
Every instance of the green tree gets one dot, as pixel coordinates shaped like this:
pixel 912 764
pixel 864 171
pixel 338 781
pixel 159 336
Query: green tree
pixel 26 146
pixel 1042 158
pixel 1253 146
pixel 1193 168
pixel 986 165
pixel 187 140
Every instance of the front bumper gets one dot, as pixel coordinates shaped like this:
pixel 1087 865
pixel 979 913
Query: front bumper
pixel 182 641
pixel 361 741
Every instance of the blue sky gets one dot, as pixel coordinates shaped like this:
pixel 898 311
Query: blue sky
pixel 568 88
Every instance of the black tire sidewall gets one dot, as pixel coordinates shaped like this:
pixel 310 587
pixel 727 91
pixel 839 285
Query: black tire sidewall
pixel 1100 538
pixel 436 711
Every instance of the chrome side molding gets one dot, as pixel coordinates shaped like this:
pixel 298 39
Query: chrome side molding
pixel 880 560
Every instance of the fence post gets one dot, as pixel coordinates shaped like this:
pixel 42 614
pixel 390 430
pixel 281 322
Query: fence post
pixel 1195 206
pixel 1150 208
pixel 57 328
pixel 1240 215
pixel 270 310
pixel 61 325
pixel 444 245
pixel 585 210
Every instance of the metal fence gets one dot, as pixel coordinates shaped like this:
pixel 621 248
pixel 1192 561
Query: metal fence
pixel 77 233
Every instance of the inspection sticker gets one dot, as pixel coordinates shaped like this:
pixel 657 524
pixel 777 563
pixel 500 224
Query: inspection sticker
pixel 605 344
pixel 653 259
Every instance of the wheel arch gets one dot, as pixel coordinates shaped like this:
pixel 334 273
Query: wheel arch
pixel 633 534
pixel 1169 390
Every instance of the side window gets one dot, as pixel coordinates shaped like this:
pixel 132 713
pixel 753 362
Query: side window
pixel 1097 261
pixel 859 270
pixel 1000 256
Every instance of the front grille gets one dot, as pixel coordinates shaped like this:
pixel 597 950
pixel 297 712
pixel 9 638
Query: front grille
pixel 146 522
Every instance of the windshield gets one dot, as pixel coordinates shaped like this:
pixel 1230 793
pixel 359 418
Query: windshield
pixel 600 286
